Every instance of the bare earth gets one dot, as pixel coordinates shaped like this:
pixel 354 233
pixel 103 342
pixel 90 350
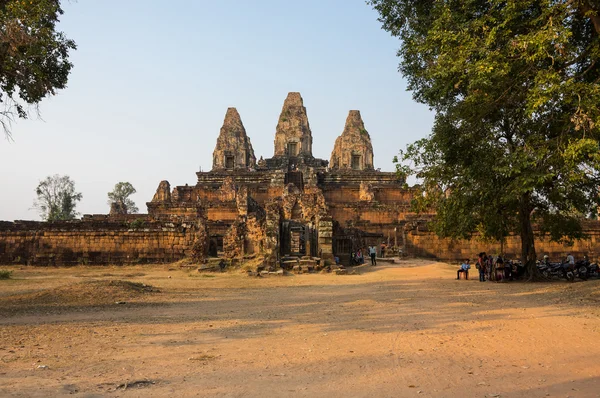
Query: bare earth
pixel 407 330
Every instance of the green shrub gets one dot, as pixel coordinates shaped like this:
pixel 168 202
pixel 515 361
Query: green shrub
pixel 137 224
pixel 5 274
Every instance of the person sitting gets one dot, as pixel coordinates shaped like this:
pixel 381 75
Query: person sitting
pixel 571 261
pixel 359 257
pixel 464 268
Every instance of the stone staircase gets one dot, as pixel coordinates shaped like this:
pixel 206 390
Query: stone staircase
pixel 302 264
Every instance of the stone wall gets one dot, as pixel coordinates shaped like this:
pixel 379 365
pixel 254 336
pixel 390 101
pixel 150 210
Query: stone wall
pixel 421 242
pixel 95 242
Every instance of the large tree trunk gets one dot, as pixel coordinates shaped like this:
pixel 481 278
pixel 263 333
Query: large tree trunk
pixel 528 256
pixel 592 12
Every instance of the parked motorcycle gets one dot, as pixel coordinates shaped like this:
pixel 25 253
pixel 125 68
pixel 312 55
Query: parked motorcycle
pixel 516 269
pixel 582 269
pixel 553 270
pixel 593 271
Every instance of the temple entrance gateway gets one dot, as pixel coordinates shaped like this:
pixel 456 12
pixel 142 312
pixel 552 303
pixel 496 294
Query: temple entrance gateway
pixel 298 239
pixel 292 239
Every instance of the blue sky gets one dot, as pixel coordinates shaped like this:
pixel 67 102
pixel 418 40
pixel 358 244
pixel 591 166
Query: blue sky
pixel 153 79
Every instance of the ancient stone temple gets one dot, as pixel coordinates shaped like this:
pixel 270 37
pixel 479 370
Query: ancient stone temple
pixel 292 204
pixel 293 137
pixel 234 150
pixel 353 149
pixel 287 208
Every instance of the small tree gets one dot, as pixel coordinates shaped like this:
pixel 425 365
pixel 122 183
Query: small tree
pixel 33 56
pixel 56 198
pixel 119 201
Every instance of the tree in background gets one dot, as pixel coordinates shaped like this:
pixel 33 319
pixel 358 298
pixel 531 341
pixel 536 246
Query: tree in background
pixel 33 56
pixel 56 198
pixel 119 201
pixel 515 86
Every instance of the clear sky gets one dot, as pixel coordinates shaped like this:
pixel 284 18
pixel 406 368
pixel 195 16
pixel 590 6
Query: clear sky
pixel 153 79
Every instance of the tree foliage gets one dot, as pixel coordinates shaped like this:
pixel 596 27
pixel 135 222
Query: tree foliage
pixel 56 198
pixel 515 86
pixel 119 198
pixel 33 56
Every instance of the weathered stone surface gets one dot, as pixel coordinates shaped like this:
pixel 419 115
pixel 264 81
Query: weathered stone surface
pixel 353 149
pixel 293 136
pixel 120 239
pixel 200 245
pixel 228 191
pixel 261 163
pixel 163 192
pixel 233 150
pixel 366 192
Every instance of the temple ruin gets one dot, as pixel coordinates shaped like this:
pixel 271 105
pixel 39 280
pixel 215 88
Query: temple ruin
pixel 291 207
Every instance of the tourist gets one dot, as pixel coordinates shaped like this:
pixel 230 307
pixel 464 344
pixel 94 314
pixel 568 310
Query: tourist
pixel 359 257
pixel 489 266
pixel 571 261
pixel 383 250
pixel 373 254
pixel 501 272
pixel 464 268
pixel 481 266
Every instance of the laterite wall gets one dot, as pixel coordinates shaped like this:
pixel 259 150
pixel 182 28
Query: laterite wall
pixel 94 242
pixel 424 243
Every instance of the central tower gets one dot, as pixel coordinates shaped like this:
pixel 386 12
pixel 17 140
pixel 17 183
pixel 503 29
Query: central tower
pixel 293 137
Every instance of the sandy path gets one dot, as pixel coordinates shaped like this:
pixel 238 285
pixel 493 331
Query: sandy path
pixel 394 331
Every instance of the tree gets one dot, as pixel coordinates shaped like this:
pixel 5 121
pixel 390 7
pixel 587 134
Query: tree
pixel 56 198
pixel 119 201
pixel 515 86
pixel 33 56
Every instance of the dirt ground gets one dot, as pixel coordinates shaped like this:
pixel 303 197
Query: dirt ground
pixel 403 330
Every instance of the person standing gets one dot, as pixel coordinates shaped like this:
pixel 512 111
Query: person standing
pixel 501 272
pixel 481 266
pixel 489 266
pixel 373 254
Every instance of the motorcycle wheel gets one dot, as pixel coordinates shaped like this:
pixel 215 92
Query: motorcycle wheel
pixel 546 274
pixel 570 276
pixel 583 273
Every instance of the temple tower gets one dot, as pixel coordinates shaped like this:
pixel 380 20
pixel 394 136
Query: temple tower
pixel 353 149
pixel 293 137
pixel 233 150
